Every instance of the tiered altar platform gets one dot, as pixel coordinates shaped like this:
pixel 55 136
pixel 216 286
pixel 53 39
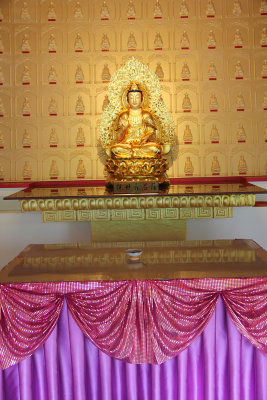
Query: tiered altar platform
pixel 186 320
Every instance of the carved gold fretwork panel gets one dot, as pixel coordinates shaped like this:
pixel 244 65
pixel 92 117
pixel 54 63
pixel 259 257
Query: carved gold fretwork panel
pixel 56 59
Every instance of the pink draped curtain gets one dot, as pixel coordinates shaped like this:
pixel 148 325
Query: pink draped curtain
pixel 136 321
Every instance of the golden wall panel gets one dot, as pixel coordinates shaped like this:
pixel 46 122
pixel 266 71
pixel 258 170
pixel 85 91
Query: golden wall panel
pixel 56 59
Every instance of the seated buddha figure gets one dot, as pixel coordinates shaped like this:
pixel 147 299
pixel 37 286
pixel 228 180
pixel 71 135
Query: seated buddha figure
pixel 136 130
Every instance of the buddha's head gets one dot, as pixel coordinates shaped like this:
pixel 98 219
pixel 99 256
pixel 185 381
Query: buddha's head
pixel 134 96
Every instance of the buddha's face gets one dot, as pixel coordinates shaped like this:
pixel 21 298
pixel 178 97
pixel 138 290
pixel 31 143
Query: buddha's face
pixel 134 100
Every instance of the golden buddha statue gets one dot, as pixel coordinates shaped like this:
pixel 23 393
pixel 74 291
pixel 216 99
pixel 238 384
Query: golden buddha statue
pixel 136 130
pixel 132 127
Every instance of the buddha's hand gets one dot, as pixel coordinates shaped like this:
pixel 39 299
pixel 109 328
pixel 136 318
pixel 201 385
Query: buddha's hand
pixel 166 148
pixel 124 122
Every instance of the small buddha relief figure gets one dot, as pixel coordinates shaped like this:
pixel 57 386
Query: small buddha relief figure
pixel 104 12
pixel 213 103
pixel 215 166
pixel 184 11
pixel 53 138
pixel 211 41
pixel 27 171
pixel 80 171
pixel 158 43
pixel 2 108
pixel 242 166
pixel 159 71
pixel 26 140
pixel 78 13
pixel 25 45
pixel 1 46
pixel 212 72
pixel 79 107
pixel 263 40
pixel 185 73
pixel 188 136
pixel 2 140
pixel 263 7
pixel 264 70
pixel 53 171
pixel 239 72
pixel 210 9
pixel 80 137
pixel 1 76
pixel 52 75
pixel 238 41
pixel 52 46
pixel 105 74
pixel 131 12
pixel 265 133
pixel 237 10
pixel 241 134
pixel 188 167
pixel 105 43
pixel 78 44
pixel 51 14
pixel 187 105
pixel 24 14
pixel 2 172
pixel 240 103
pixel 26 108
pixel 265 101
pixel 131 43
pixel 157 10
pixel 214 134
pixel 105 103
pixel 25 76
pixel 79 75
pixel 185 44
pixel 52 107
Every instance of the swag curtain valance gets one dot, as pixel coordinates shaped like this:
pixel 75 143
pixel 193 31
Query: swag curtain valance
pixel 138 322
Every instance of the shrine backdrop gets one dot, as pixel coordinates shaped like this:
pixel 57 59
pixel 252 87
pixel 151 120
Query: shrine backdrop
pixel 56 58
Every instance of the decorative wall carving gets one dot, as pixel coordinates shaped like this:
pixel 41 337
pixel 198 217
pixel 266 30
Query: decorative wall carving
pixel 56 59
